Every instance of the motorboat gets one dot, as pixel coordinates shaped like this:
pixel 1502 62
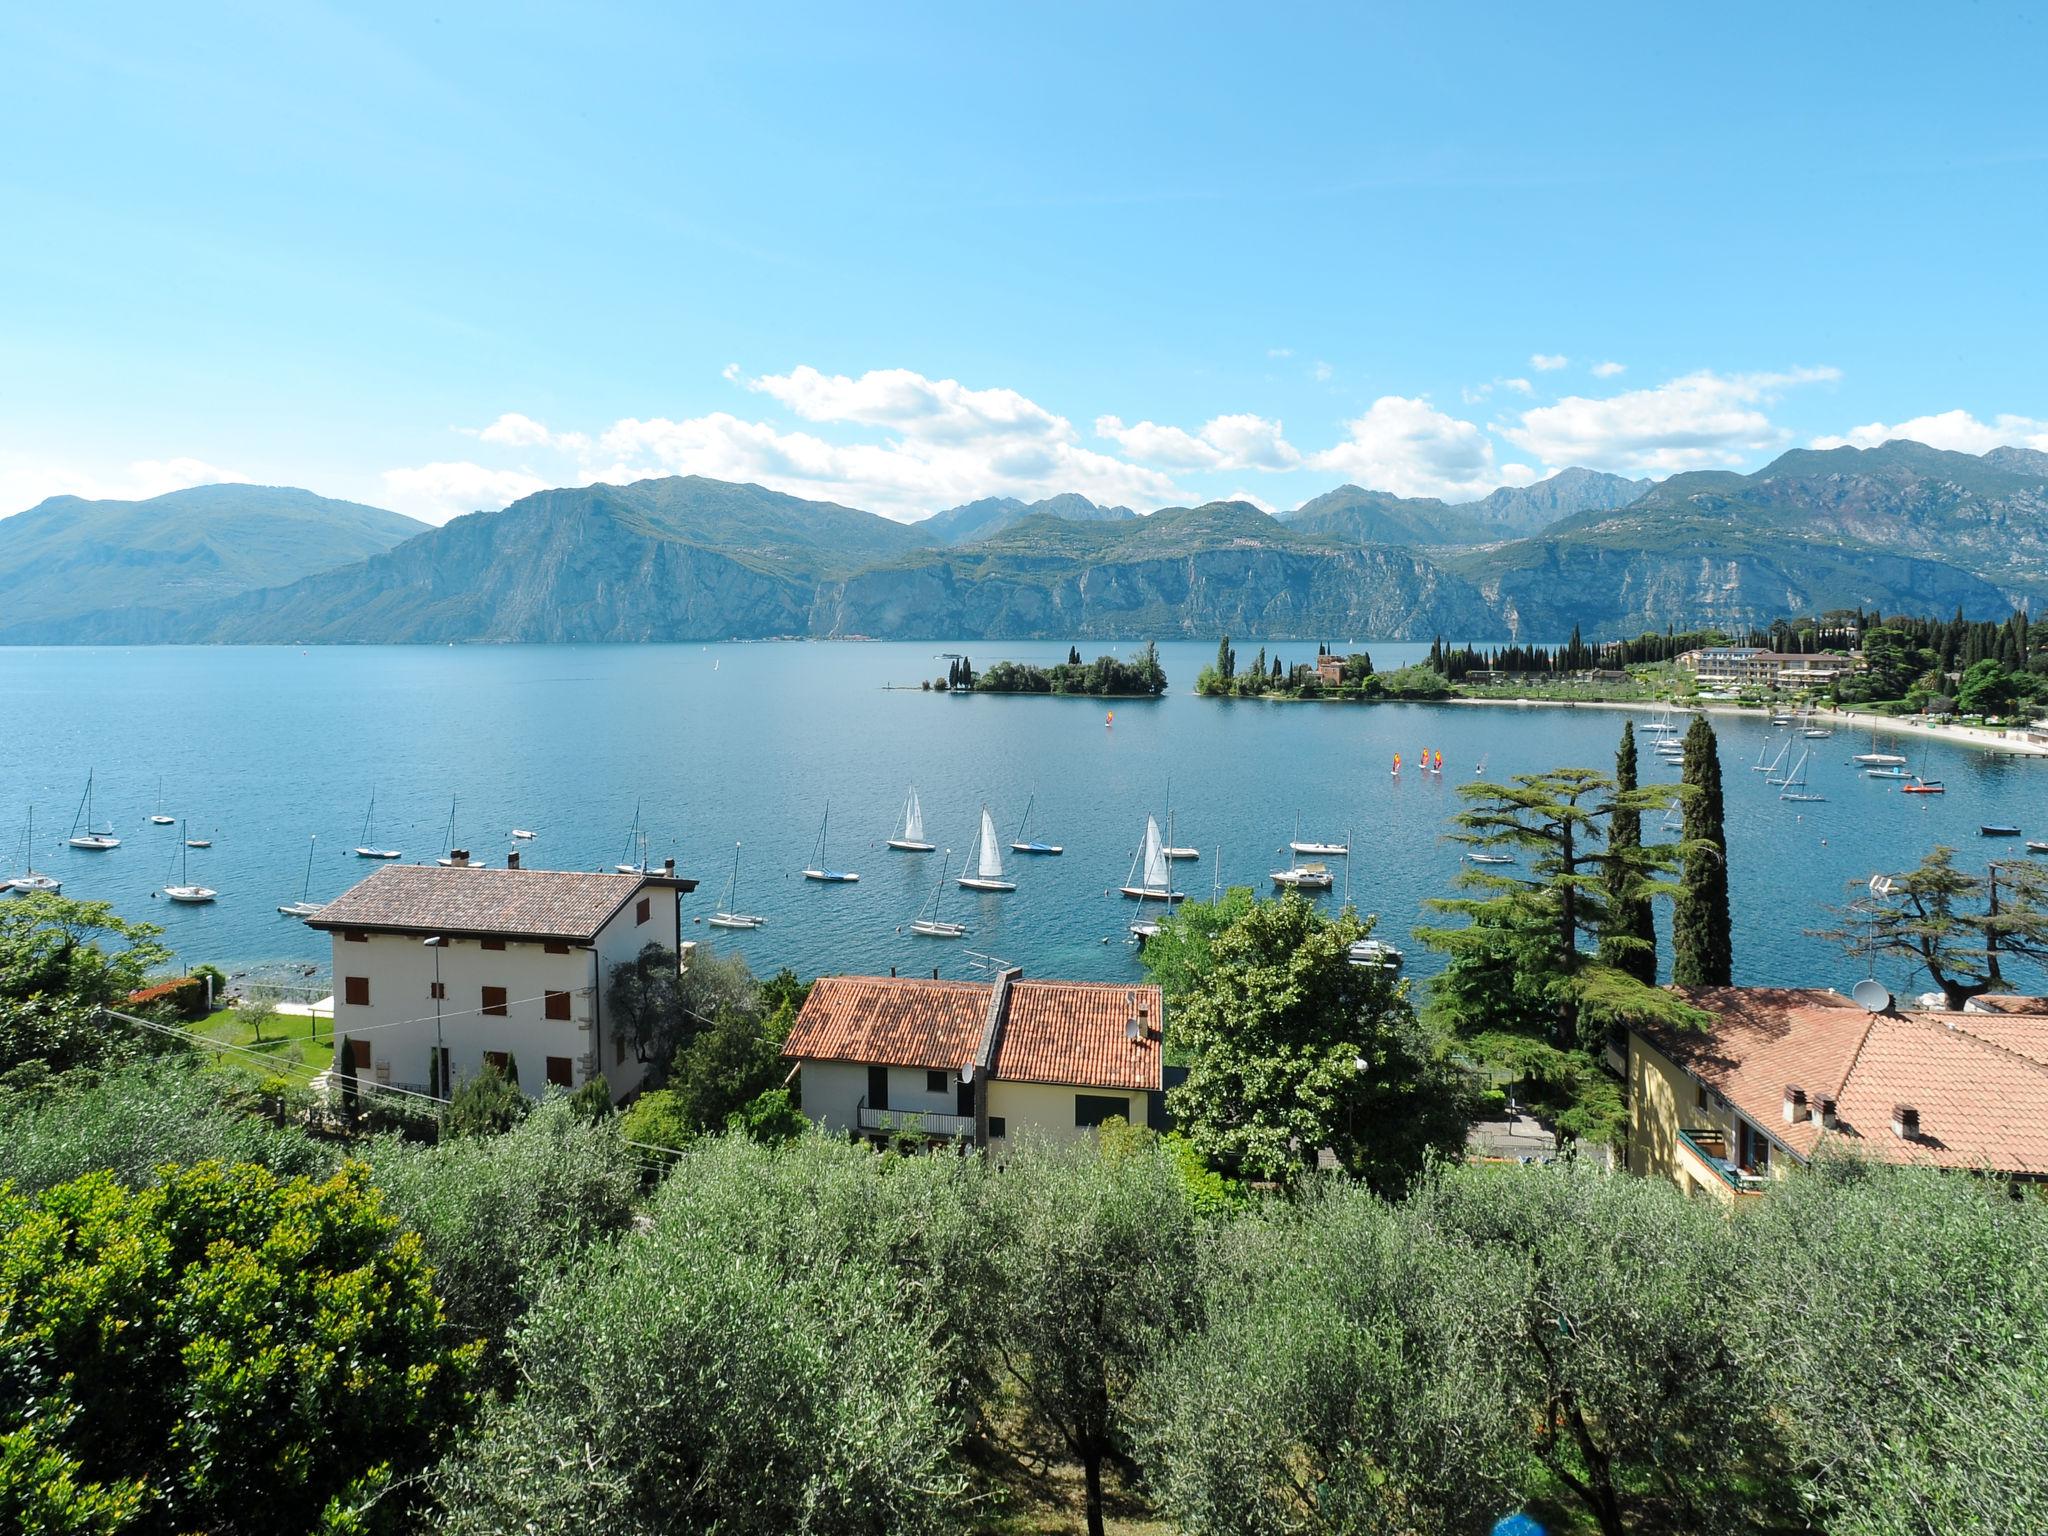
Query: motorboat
pixel 1305 877
pixel 2037 845
pixel 1997 829
pixel 1491 858
pixel 1375 954
pixel 522 834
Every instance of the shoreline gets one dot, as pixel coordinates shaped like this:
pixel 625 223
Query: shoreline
pixel 1983 737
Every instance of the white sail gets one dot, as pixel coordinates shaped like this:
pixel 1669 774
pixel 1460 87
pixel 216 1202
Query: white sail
pixel 913 820
pixel 1155 856
pixel 991 867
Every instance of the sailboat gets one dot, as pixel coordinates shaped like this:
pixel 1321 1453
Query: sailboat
pixel 1876 759
pixel 158 818
pixel 636 843
pixel 82 834
pixel 185 890
pixel 1795 782
pixel 1149 878
pixel 929 925
pixel 1921 786
pixel 818 870
pixel 988 868
pixel 366 849
pixel 29 882
pixel 1770 774
pixel 1762 750
pixel 1020 844
pixel 305 906
pixel 1305 877
pixel 1337 850
pixel 448 859
pixel 728 915
pixel 911 839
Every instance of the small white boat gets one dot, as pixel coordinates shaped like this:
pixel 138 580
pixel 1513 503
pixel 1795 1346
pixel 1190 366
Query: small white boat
pixel 636 847
pixel 1305 877
pixel 1145 928
pixel 728 915
pixel 2034 845
pixel 1322 850
pixel 198 842
pixel 185 891
pixel 1150 878
pixel 988 868
pixel 1375 954
pixel 82 833
pixel 522 834
pixel 158 818
pixel 305 906
pixel 1886 773
pixel 911 838
pixel 1880 759
pixel 366 849
pixel 928 924
pixel 1795 782
pixel 1173 852
pixel 820 871
pixel 30 882
pixel 1491 858
pixel 1021 844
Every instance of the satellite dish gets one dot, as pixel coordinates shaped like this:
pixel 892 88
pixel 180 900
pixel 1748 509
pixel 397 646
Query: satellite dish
pixel 1871 995
pixel 1881 886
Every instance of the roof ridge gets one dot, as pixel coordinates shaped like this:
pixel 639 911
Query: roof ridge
pixel 1863 1039
pixel 1929 1021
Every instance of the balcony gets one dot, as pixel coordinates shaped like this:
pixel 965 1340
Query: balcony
pixel 1707 1148
pixel 914 1122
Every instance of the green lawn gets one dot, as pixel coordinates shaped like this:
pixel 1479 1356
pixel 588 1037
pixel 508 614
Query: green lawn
pixel 300 1046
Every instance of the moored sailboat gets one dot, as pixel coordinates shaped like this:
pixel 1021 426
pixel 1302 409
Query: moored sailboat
pixel 184 890
pixel 82 833
pixel 819 870
pixel 928 924
pixel 1150 877
pixel 1021 844
pixel 728 914
pixel 1325 850
pixel 31 882
pixel 911 838
pixel 305 906
pixel 367 849
pixel 988 868
pixel 157 817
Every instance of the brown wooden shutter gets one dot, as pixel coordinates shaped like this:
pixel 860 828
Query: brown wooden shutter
pixel 494 1002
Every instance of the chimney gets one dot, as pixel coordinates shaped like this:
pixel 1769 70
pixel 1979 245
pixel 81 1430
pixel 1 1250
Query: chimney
pixel 1134 1027
pixel 458 858
pixel 1905 1122
pixel 512 859
pixel 1795 1103
pixel 1824 1110
pixel 668 867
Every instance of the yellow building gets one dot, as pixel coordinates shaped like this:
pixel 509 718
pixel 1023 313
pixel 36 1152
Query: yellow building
pixel 1785 1071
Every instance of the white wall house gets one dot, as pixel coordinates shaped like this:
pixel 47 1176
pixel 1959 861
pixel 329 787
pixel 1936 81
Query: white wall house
pixel 980 1061
pixel 481 963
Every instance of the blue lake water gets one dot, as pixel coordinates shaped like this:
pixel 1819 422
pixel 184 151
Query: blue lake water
pixel 264 747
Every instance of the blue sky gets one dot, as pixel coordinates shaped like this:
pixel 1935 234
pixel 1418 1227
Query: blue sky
pixel 434 257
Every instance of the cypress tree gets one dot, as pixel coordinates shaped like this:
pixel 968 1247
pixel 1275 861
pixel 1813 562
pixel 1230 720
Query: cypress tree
pixel 1703 951
pixel 1628 941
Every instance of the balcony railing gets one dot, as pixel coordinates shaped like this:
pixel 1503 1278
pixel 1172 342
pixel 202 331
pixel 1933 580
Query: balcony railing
pixel 917 1122
pixel 1710 1146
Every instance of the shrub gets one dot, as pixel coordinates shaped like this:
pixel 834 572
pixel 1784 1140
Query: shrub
pixel 487 1105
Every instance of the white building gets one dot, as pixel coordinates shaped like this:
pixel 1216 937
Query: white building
pixel 485 964
pixel 977 1060
pixel 1749 666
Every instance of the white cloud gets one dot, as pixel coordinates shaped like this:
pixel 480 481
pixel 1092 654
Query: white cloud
pixel 1322 373
pixel 1609 370
pixel 1548 362
pixel 930 410
pixel 1411 448
pixel 1956 430
pixel 1519 386
pixel 434 493
pixel 26 479
pixel 1253 497
pixel 1279 351
pixel 1242 441
pixel 1704 420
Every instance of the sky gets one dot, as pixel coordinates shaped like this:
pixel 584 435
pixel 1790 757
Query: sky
pixel 434 257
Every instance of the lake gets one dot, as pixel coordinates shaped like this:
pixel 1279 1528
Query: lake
pixel 262 748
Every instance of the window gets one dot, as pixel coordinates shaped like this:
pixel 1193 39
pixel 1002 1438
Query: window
pixel 1094 1108
pixel 355 991
pixel 437 990
pixel 495 1059
pixel 997 1126
pixel 644 911
pixel 1699 1097
pixel 878 1087
pixel 935 1082
pixel 360 1049
pixel 560 1072
pixel 555 947
pixel 493 943
pixel 494 1002
pixel 354 936
pixel 555 1005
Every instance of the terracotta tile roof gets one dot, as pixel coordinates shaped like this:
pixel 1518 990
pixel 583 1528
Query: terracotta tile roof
pixel 900 1022
pixel 1066 1032
pixel 2005 1002
pixel 1074 1032
pixel 1979 1081
pixel 481 899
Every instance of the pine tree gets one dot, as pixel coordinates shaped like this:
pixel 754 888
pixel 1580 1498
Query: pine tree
pixel 345 1075
pixel 1703 950
pixel 1628 941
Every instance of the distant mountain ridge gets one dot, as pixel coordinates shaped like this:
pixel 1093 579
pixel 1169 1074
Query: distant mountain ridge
pixel 1902 527
pixel 142 561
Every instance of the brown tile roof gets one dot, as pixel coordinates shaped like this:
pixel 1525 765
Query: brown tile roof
pixel 1074 1032
pixel 1980 1081
pixel 481 899
pixel 2005 1002
pixel 1065 1032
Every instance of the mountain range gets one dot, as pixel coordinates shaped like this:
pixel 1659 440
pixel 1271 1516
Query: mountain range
pixel 1902 527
